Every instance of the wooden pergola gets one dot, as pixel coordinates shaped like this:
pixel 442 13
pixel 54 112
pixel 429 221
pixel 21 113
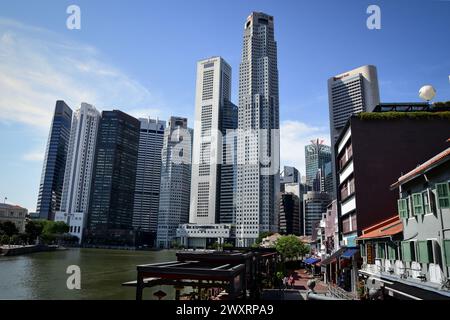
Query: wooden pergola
pixel 234 271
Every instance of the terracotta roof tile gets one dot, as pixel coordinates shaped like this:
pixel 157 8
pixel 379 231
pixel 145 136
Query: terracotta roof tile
pixel 385 228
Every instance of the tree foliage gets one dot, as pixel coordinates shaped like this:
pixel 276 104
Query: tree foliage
pixel 47 230
pixel 290 247
pixel 33 229
pixel 8 228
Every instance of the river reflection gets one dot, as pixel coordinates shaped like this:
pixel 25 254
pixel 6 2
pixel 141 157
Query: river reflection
pixel 43 275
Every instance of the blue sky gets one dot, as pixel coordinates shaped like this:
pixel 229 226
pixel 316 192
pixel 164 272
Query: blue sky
pixel 140 56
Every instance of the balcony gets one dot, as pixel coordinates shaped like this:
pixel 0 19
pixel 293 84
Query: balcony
pixel 411 275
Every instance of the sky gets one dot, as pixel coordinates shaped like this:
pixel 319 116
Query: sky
pixel 140 56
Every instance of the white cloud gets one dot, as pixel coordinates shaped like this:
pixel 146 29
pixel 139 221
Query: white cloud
pixel 38 67
pixel 294 136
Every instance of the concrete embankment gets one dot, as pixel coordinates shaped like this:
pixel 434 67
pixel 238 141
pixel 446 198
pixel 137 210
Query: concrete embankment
pixel 19 250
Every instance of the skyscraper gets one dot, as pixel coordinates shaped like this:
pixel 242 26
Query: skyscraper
pixel 174 194
pixel 349 93
pixel 114 179
pixel 148 179
pixel 52 177
pixel 314 205
pixel 212 107
pixel 289 214
pixel 78 172
pixel 214 157
pixel 228 168
pixel 258 166
pixel 318 166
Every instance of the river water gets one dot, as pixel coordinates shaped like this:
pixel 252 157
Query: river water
pixel 43 275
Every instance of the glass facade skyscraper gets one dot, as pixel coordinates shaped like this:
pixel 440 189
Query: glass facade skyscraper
pixel 52 177
pixel 258 136
pixel 146 196
pixel 78 174
pixel 318 166
pixel 175 189
pixel 213 164
pixel 114 179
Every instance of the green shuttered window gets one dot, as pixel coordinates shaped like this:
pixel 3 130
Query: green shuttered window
pixel 425 251
pixel 426 201
pixel 443 195
pixel 447 252
pixel 381 251
pixel 402 208
pixel 392 251
pixel 408 251
pixel 417 203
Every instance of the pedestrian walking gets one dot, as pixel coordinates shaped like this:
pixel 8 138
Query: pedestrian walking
pixel 291 281
pixel 285 282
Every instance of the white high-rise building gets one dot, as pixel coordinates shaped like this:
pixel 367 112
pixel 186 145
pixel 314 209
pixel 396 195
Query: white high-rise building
pixel 213 158
pixel 349 93
pixel 257 203
pixel 78 172
pixel 213 91
pixel 174 193
pixel 148 177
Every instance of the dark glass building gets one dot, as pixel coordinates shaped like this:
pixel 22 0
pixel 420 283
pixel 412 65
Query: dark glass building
pixel 113 180
pixel 52 178
pixel 289 218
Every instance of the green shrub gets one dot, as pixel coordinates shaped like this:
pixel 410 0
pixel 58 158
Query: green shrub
pixel 417 115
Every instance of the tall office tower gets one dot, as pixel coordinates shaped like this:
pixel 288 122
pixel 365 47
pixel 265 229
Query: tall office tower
pixel 228 169
pixel 114 179
pixel 148 179
pixel 174 194
pixel 78 175
pixel 52 177
pixel 212 109
pixel 258 166
pixel 349 93
pixel 314 205
pixel 318 165
pixel 289 214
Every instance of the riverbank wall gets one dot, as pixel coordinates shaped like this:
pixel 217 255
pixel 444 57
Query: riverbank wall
pixel 20 250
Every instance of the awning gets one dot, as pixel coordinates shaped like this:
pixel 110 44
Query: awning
pixel 311 260
pixel 349 253
pixel 333 257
